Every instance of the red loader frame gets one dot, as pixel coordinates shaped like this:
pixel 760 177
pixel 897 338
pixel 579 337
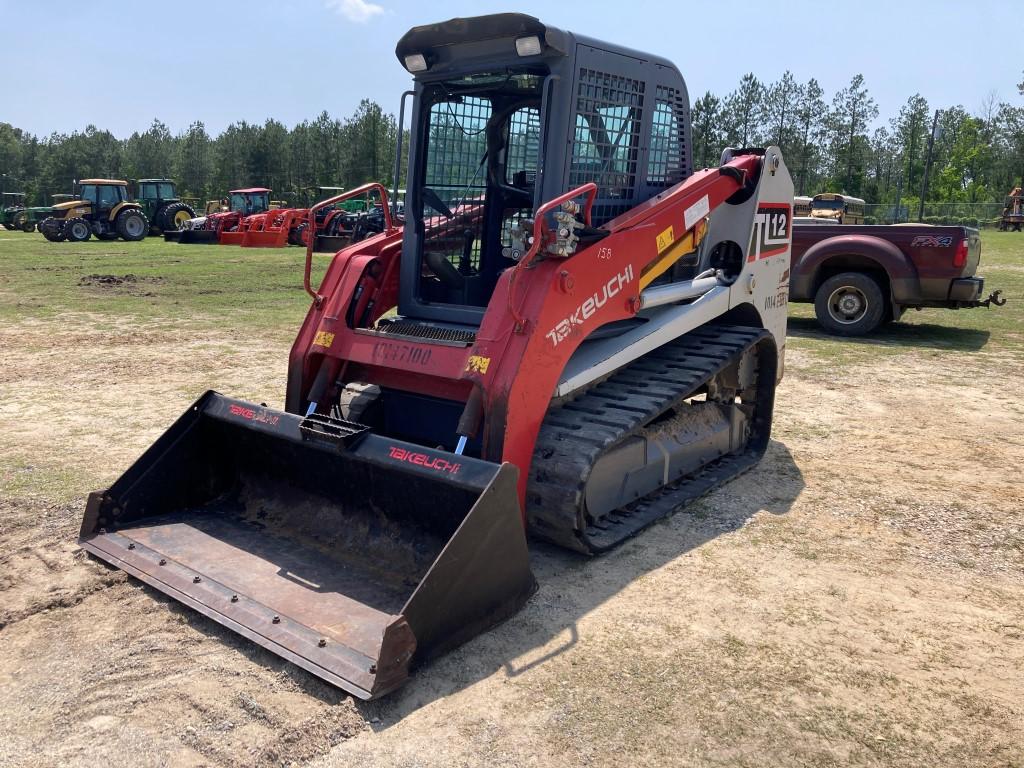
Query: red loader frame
pixel 531 326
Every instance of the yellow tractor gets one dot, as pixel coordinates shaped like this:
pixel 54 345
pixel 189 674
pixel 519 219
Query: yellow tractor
pixel 103 209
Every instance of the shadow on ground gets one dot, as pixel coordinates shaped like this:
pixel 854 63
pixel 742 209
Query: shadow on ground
pixel 571 586
pixel 925 335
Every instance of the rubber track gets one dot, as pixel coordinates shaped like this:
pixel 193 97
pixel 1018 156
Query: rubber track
pixel 574 435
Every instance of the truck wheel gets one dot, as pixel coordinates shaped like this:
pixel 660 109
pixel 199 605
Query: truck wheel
pixel 27 226
pixel 173 217
pixel 77 230
pixel 131 225
pixel 849 304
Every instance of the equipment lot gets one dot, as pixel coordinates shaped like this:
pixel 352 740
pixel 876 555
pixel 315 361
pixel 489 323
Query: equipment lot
pixel 855 599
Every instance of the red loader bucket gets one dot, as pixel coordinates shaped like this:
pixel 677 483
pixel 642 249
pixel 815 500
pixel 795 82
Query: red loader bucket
pixel 349 554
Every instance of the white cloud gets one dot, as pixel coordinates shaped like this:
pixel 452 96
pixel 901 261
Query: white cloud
pixel 356 11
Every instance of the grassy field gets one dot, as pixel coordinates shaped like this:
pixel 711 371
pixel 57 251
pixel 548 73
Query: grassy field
pixel 256 289
pixel 852 601
pixel 260 291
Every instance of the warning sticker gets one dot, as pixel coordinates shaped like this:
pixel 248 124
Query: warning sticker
pixel 665 239
pixel 323 339
pixel 478 364
pixel 696 212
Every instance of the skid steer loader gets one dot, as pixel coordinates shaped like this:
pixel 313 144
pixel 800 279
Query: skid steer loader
pixel 572 334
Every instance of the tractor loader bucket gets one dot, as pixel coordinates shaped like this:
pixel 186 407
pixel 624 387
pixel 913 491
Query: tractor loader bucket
pixel 350 554
pixel 194 236
pixel 233 237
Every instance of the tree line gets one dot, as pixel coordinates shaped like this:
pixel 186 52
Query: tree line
pixel 832 145
pixel 325 151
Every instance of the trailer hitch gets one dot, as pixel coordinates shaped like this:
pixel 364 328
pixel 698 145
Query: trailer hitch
pixel 994 299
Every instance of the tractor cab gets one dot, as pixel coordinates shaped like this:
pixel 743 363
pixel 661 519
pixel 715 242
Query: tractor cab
pixel 249 201
pixel 100 194
pixel 152 192
pixel 12 201
pixel 11 204
pixel 509 113
pixel 161 204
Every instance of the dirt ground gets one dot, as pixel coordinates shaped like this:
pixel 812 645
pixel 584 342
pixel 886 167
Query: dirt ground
pixel 855 600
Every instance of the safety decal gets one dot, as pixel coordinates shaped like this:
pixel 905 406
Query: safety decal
pixel 665 239
pixel 478 364
pixel 323 339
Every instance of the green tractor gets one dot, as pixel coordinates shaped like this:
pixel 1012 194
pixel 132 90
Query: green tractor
pixel 43 213
pixel 13 214
pixel 162 206
pixel 102 208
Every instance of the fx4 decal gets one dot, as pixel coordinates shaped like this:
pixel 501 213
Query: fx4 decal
pixel 931 241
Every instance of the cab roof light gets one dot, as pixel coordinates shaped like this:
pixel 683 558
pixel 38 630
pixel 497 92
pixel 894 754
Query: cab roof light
pixel 528 46
pixel 416 62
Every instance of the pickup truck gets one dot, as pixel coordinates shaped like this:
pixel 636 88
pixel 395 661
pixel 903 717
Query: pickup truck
pixel 861 276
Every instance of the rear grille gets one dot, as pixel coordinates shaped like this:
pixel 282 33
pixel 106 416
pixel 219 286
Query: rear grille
pixel 432 332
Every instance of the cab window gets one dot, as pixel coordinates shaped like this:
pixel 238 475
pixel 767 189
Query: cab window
pixel 165 191
pixel 147 191
pixel 88 193
pixel 109 196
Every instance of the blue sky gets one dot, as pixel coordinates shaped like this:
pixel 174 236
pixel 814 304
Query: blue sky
pixel 187 61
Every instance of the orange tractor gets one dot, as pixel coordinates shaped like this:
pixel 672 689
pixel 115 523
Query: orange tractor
pixel 223 226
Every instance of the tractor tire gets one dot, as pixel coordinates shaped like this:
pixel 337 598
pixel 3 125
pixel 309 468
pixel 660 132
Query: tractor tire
pixel 131 225
pixel 77 230
pixel 39 226
pixel 18 222
pixel 53 230
pixel 27 226
pixel 172 217
pixel 8 227
pixel 849 304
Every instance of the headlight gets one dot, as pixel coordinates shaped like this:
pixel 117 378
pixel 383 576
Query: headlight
pixel 416 62
pixel 528 46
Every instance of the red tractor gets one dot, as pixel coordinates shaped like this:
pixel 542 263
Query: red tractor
pixel 224 227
